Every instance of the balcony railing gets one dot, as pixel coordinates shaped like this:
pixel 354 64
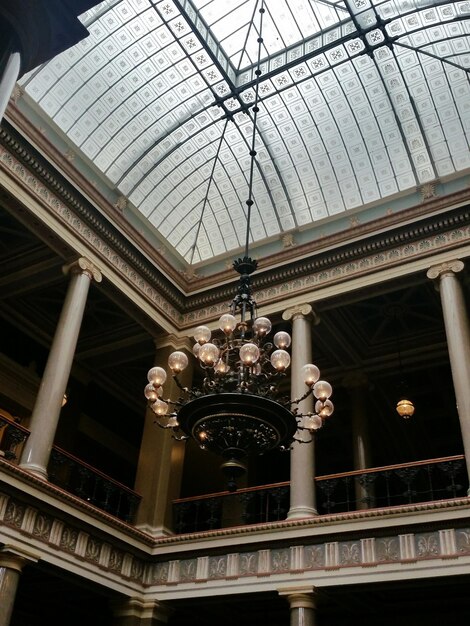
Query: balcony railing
pixel 91 485
pixel 392 485
pixel 12 435
pixel 73 475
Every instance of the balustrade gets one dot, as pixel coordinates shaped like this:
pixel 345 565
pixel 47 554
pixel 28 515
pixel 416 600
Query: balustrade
pixel 91 485
pixel 223 510
pixel 12 435
pixel 392 485
pixel 72 474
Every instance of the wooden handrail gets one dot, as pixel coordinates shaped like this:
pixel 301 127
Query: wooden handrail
pixel 385 468
pixel 97 472
pixel 382 468
pixel 221 494
pixel 7 421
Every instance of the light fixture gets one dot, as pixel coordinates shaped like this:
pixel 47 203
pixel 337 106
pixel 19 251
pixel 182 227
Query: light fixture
pixel 405 407
pixel 239 410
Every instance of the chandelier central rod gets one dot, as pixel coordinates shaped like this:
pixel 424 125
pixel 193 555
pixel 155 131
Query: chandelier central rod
pixel 249 202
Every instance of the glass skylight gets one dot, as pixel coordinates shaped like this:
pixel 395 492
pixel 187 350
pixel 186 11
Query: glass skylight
pixel 286 23
pixel 353 109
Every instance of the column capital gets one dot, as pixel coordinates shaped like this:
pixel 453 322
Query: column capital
pixel 301 311
pixel 83 266
pixel 16 558
pixel 446 268
pixel 300 597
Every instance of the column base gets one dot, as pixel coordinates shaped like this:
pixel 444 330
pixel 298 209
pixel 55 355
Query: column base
pixel 301 512
pixel 36 470
pixel 155 531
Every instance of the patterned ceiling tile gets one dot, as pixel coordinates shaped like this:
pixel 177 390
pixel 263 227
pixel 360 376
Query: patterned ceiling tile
pixel 145 98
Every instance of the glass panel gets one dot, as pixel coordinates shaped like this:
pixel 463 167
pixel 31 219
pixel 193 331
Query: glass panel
pixel 352 111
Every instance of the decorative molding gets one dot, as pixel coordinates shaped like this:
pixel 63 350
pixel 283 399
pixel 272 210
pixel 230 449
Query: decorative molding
pixel 332 556
pixel 288 240
pixel 70 539
pixel 16 94
pixel 325 262
pixel 121 204
pixel 428 191
pixel 131 558
pixel 66 204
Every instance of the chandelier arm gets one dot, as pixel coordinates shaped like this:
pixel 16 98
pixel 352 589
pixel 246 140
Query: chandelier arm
pixel 306 395
pixel 160 425
pixel 178 384
pixel 179 437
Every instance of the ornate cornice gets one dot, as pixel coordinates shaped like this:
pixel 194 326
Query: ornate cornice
pixel 35 163
pixel 367 252
pixel 389 242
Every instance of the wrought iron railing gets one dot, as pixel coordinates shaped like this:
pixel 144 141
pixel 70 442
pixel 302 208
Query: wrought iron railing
pixel 380 487
pixel 72 474
pixel 91 485
pixel 222 510
pixel 393 485
pixel 12 435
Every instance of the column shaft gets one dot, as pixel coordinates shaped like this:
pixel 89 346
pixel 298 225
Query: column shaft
pixel 12 561
pixel 458 342
pixel 302 604
pixel 8 80
pixel 46 412
pixel 302 468
pixel 9 579
pixel 160 466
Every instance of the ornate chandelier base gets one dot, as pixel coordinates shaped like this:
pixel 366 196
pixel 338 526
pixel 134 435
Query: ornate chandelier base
pixel 235 425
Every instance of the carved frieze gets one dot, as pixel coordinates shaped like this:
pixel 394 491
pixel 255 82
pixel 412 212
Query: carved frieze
pixel 323 264
pixel 314 554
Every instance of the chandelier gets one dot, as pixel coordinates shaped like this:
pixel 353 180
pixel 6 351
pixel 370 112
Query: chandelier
pixel 239 409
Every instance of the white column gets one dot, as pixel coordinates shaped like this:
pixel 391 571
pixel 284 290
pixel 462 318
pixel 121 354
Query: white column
pixel 302 466
pixel 302 604
pixel 161 458
pixel 8 80
pixel 46 412
pixel 458 341
pixel 12 561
